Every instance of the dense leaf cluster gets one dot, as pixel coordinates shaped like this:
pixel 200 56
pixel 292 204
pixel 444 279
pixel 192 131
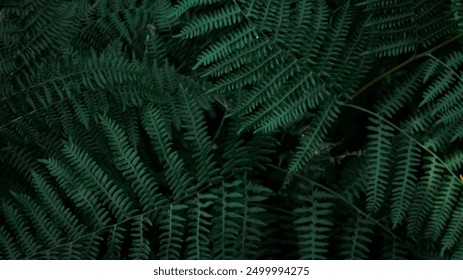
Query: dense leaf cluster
pixel 231 129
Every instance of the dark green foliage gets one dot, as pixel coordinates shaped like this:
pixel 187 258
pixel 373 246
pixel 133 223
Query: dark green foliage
pixel 231 129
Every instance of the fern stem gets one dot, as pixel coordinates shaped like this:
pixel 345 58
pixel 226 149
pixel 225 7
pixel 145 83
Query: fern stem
pixel 405 63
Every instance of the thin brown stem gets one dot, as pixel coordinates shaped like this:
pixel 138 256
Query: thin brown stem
pixel 405 63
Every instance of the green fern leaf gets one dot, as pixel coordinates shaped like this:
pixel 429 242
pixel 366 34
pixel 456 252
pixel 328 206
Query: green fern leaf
pixel 176 175
pixel 404 179
pixel 199 227
pixel 19 224
pixel 223 17
pixel 46 230
pixel 8 247
pixel 356 238
pixel 185 5
pixel 172 227
pixel 83 198
pixel 314 137
pixel 378 165
pixel 201 143
pixel 129 163
pixel 426 190
pixel 94 178
pixel 140 249
pixel 442 207
pixel 454 229
pixel 313 225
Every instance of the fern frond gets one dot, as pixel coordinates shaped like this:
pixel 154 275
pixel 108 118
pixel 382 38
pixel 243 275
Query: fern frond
pixel 95 178
pixel 425 193
pixel 313 226
pixel 455 227
pixel 45 229
pixel 356 238
pixel 65 80
pixel 162 15
pixel 407 163
pixel 307 92
pixel 378 163
pixel 403 93
pixel 129 163
pixel 83 198
pixel 204 23
pixel 140 248
pixel 172 227
pixel 201 143
pixel 108 19
pixel 242 156
pixel 314 136
pixel 441 84
pixel 38 29
pixel 177 176
pixel 442 207
pixel 253 220
pixel 199 227
pixel 115 242
pixel 395 249
pixel 269 84
pixel 19 225
pixel 227 45
pixel 9 249
pixel 404 26
pixel 185 5
pixel 338 31
pixel 226 224
pixel 458 253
